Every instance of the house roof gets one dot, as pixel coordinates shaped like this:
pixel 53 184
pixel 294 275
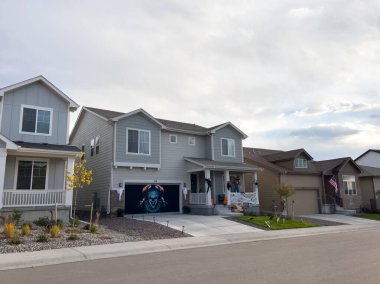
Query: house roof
pixel 45 146
pixel 167 124
pixel 286 155
pixel 42 79
pixel 370 171
pixel 256 159
pixel 366 152
pixel 216 165
pixel 335 165
pixel 9 144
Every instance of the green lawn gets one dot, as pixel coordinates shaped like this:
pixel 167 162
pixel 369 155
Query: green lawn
pixel 371 216
pixel 288 224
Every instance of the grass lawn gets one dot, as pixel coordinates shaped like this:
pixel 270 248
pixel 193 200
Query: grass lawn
pixel 371 216
pixel 288 224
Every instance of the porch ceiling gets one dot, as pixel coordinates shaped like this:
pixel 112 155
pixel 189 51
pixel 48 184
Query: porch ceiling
pixel 222 166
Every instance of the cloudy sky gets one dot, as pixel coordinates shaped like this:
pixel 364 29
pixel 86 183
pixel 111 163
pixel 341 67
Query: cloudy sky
pixel 291 74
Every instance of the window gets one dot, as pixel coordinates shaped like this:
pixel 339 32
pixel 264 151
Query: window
pixel 82 149
pixel 300 163
pixel 173 139
pixel 31 174
pixel 35 120
pixel 228 147
pixel 138 141
pixel 349 185
pixel 97 144
pixel 192 140
pixel 92 147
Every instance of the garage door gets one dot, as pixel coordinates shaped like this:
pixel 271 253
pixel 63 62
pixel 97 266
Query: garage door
pixel 143 198
pixel 305 202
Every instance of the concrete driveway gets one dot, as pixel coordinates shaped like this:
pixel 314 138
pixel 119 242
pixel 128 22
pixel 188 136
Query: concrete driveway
pixel 198 226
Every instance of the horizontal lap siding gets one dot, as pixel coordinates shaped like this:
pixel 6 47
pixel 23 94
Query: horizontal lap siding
pixel 36 94
pixel 227 132
pixel 89 127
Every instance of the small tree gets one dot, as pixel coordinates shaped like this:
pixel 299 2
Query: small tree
pixel 285 191
pixel 79 178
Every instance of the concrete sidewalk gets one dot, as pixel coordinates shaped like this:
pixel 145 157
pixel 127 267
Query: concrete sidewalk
pixel 66 255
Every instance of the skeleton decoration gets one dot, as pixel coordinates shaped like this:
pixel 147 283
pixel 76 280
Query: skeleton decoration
pixel 209 184
pixel 120 190
pixel 184 191
pixel 153 198
pixel 228 185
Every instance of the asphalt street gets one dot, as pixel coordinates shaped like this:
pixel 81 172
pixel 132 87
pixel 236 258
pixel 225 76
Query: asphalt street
pixel 350 257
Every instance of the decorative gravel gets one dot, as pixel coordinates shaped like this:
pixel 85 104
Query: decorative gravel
pixel 111 230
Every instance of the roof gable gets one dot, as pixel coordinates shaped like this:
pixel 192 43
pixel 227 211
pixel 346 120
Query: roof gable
pixel 137 111
pixel 287 155
pixel 73 105
pixel 8 143
pixel 335 165
pixel 220 126
pixel 367 152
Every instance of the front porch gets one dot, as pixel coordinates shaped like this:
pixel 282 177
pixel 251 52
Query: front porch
pixel 214 185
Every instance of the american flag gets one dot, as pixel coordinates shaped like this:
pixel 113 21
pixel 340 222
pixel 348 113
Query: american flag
pixel 333 183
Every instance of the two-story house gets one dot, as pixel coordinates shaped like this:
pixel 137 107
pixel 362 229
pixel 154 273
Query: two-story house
pixel 34 150
pixel 145 164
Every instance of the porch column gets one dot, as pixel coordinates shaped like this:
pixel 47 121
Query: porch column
pixel 3 159
pixel 256 186
pixel 227 179
pixel 208 196
pixel 69 191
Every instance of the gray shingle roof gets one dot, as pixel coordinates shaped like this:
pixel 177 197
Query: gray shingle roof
pixel 105 113
pixel 335 165
pixel 44 146
pixel 286 155
pixel 370 171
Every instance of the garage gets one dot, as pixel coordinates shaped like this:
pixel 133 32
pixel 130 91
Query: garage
pixel 151 198
pixel 305 202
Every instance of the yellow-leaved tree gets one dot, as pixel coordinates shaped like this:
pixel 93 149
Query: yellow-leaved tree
pixel 79 178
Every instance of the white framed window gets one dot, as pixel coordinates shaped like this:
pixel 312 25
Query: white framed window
pixel 173 139
pixel 300 163
pixel 36 120
pixel 92 145
pixel 138 141
pixel 97 145
pixel 227 147
pixel 349 185
pixel 31 174
pixel 192 140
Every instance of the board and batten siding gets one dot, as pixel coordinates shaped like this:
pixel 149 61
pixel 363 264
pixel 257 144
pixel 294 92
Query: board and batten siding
pixel 56 172
pixel 137 121
pixel 38 95
pixel 88 128
pixel 230 133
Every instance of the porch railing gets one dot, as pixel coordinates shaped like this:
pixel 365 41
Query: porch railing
pixel 198 198
pixel 31 198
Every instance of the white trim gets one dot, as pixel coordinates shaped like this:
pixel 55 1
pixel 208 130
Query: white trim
pixel 195 170
pixel 41 78
pixel 1 112
pixel 190 138
pixel 212 147
pixel 68 126
pixel 45 152
pixel 176 139
pixel 186 131
pixel 221 147
pixel 160 142
pixel 232 125
pixel 140 110
pixel 137 165
pixel 94 113
pixel 138 142
pixel 145 181
pixel 297 166
pixel 9 144
pixel 18 159
pixel 242 152
pixel 114 142
pixel 37 108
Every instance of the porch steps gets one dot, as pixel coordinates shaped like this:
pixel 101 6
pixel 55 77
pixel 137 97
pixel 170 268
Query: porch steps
pixel 225 211
pixel 342 211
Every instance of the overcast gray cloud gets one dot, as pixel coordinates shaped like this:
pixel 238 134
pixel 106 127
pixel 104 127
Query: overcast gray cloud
pixel 264 65
pixel 324 132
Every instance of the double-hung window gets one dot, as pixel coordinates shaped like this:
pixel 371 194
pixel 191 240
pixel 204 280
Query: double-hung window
pixel 228 147
pixel 36 120
pixel 138 141
pixel 31 174
pixel 300 163
pixel 349 185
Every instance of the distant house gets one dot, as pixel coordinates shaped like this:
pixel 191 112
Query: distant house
pixel 145 164
pixel 34 150
pixel 311 180
pixel 369 158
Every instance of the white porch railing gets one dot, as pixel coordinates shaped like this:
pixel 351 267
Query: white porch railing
pixel 31 198
pixel 198 198
pixel 241 197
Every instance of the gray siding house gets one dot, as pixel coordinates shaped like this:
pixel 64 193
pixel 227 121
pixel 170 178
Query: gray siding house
pixel 143 164
pixel 34 150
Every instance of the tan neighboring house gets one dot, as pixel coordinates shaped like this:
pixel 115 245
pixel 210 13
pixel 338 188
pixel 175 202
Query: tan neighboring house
pixel 313 191
pixel 295 168
pixel 370 185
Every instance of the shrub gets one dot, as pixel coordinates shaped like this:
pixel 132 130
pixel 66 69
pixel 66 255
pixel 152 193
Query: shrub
pixel 73 237
pixel 59 223
pixel 16 216
pixel 54 231
pixel 75 222
pixel 42 238
pixel 93 228
pixel 9 230
pixel 42 222
pixel 25 229
pixel 15 240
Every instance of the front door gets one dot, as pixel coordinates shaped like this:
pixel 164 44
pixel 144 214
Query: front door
pixel 218 180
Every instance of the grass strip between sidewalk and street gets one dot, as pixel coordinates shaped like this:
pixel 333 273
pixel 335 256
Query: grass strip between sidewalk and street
pixel 265 222
pixel 371 216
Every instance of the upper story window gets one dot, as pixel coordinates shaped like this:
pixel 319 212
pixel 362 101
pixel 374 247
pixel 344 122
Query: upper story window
pixel 138 141
pixel 92 145
pixel 36 120
pixel 31 174
pixel 97 144
pixel 228 147
pixel 173 139
pixel 349 185
pixel 192 140
pixel 300 163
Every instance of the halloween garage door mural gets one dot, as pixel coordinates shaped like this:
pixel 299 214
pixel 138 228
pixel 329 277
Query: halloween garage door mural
pixel 151 198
